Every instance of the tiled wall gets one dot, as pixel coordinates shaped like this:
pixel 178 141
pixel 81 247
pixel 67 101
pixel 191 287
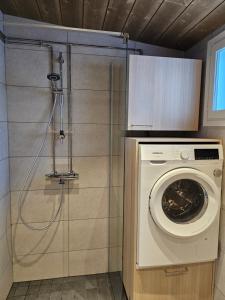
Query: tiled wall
pixel 200 51
pixel 79 241
pixel 5 228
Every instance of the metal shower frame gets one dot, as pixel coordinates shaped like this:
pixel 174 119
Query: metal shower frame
pixel 49 45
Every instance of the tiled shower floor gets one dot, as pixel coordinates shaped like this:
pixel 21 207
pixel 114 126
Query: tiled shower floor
pixel 92 287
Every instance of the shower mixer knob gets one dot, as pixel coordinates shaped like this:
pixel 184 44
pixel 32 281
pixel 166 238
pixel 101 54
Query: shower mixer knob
pixel 53 76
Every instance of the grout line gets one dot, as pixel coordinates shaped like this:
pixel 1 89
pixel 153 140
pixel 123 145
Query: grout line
pixel 80 188
pixel 73 89
pixel 68 251
pixel 63 157
pixel 66 123
pixel 65 220
pixel 29 48
pixel 28 122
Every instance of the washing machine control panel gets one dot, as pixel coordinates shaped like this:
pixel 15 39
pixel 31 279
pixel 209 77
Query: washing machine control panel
pixel 181 152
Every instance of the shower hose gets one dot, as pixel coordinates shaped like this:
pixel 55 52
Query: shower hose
pixel 29 173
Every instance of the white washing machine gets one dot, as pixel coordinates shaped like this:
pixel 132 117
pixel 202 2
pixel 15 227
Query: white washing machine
pixel 179 195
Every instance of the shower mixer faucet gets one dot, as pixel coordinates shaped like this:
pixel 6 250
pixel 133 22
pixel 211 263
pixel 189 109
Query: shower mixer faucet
pixel 58 97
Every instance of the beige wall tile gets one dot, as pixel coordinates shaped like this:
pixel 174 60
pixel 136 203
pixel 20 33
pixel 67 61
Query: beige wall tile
pixel 90 107
pixel 93 172
pixel 41 266
pixel 5 219
pixel 25 139
pixel 88 234
pixel 37 67
pixel 116 202
pixel 4 177
pixel 88 262
pixel 6 280
pixel 4 140
pixel 3 103
pixel 90 140
pixel 5 251
pixel 115 259
pixel 39 205
pixel 2 62
pixel 117 178
pixel 90 72
pixel 88 203
pixel 116 231
pixel 27 241
pixel 31 104
pixel 20 165
pixel 85 68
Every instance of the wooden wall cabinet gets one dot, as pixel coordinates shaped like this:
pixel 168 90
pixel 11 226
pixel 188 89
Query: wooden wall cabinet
pixel 183 282
pixel 163 93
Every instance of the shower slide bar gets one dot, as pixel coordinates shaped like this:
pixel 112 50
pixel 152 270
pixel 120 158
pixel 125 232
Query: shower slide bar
pixel 58 96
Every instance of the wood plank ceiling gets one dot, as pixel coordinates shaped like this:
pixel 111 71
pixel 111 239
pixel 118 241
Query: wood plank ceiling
pixel 171 23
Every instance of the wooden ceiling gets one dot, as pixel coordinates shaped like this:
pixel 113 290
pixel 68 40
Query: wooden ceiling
pixel 172 23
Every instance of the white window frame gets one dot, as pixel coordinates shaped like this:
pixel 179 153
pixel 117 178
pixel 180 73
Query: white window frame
pixel 212 118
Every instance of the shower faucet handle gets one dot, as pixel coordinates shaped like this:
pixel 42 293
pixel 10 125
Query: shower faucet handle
pixel 61 136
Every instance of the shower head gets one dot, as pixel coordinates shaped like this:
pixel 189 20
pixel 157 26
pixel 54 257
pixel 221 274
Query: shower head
pixel 53 76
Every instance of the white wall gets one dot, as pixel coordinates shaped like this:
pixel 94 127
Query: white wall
pixel 200 51
pixel 5 228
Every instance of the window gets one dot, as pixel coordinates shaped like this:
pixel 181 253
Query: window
pixel 214 111
pixel 219 81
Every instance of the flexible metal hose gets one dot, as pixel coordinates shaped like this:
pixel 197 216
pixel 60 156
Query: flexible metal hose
pixel 30 171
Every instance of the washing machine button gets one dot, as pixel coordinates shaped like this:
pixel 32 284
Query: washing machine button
pixel 184 155
pixel 217 172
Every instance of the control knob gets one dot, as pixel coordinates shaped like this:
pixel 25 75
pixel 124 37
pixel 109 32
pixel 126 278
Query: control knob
pixel 184 155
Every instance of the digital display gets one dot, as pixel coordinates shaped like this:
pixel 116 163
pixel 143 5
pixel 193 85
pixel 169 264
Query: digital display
pixel 205 154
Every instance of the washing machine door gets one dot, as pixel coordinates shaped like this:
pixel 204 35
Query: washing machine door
pixel 184 202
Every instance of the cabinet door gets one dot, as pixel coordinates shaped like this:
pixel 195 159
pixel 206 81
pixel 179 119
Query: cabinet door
pixel 140 93
pixel 163 93
pixel 192 282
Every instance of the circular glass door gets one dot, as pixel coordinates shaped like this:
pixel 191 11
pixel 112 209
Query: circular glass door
pixel 184 202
